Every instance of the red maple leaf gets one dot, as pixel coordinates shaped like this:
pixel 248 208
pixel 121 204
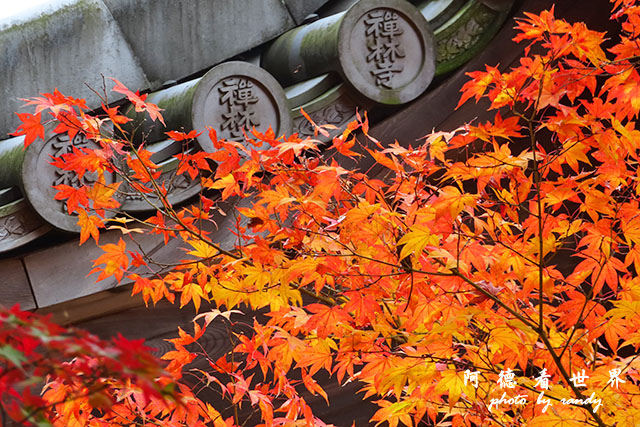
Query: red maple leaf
pixel 31 127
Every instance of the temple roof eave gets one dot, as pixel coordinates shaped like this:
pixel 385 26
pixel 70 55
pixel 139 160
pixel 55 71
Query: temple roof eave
pixel 331 99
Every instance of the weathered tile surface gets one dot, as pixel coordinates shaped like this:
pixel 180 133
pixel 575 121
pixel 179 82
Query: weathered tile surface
pixel 299 9
pixel 174 39
pixel 61 273
pixel 61 45
pixel 14 285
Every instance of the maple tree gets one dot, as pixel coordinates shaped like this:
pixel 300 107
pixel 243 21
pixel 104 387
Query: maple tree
pixel 504 252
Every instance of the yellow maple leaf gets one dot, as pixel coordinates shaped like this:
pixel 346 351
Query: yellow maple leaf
pixel 416 240
pixel 88 226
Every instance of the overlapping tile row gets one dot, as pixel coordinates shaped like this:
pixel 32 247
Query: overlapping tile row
pixel 384 50
pixel 459 29
pixel 142 43
pixel 376 55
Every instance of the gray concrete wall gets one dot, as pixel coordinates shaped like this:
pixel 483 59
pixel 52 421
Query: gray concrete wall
pixel 174 39
pixel 63 45
pixel 142 43
pixel 299 9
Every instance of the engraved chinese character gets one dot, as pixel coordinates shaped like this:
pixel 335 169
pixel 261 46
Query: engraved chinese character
pixel 67 178
pixel 542 380
pixel 507 379
pixel 382 32
pixel 382 24
pixel 614 377
pixel 239 96
pixel 62 145
pixel 390 26
pixel 381 53
pixel 228 89
pixel 393 51
pixel 11 225
pixel 376 52
pixel 472 377
pixel 579 379
pixel 247 119
pixel 373 21
pixel 245 93
pixel 384 75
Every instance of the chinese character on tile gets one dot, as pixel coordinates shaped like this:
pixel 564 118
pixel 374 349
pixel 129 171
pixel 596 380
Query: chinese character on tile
pixel 373 21
pixel 389 25
pixel 384 74
pixel 245 95
pixel 382 24
pixel 239 96
pixel 62 145
pixel 393 51
pixel 246 119
pixel 384 45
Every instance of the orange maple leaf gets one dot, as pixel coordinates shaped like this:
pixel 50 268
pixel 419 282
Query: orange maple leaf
pixel 325 319
pixel 75 197
pixel 181 136
pixel 142 166
pixel 138 101
pixel 114 259
pixel 88 226
pixel 101 195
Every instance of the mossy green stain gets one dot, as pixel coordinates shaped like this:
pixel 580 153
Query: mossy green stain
pixel 46 18
pixel 319 48
pixel 304 52
pixel 472 10
pixel 388 97
pixel 12 154
pixel 11 208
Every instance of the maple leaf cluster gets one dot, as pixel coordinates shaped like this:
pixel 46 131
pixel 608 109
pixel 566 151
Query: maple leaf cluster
pixel 510 246
pixel 50 375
